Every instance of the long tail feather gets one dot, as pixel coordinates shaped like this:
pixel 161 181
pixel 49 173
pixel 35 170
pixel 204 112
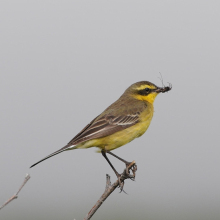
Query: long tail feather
pixel 53 154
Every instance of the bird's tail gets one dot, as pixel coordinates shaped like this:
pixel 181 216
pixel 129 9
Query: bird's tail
pixel 67 147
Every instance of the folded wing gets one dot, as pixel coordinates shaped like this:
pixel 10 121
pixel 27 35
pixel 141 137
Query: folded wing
pixel 99 127
pixel 105 126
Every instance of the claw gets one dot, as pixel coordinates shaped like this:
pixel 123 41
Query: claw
pixel 133 169
pixel 126 174
pixel 121 186
pixel 120 183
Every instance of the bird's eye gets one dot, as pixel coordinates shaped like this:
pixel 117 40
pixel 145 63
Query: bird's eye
pixel 147 89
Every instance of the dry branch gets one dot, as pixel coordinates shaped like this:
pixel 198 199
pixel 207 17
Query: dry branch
pixel 15 196
pixel 110 188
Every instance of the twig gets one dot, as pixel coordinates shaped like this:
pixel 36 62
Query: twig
pixel 27 177
pixel 110 188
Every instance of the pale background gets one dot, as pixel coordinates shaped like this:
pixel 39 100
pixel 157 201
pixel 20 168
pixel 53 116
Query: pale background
pixel 63 62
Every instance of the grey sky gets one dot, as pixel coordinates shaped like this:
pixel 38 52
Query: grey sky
pixel 63 62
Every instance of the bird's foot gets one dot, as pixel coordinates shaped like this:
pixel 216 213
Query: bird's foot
pixel 133 167
pixel 126 174
pixel 121 182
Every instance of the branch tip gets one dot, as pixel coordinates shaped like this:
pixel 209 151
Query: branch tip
pixel 111 187
pixel 15 196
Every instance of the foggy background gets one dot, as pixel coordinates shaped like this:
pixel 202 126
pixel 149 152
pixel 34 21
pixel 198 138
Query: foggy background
pixel 63 62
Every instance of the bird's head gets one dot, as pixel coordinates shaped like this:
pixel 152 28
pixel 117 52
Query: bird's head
pixel 146 91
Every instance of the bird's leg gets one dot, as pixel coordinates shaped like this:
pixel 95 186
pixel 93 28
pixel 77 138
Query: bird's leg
pixel 121 184
pixel 134 168
pixel 126 162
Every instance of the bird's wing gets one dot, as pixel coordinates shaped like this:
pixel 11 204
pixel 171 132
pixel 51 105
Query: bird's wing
pixel 109 122
pixel 99 127
pixel 105 126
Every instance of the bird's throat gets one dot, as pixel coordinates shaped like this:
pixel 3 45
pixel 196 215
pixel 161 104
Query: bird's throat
pixel 149 98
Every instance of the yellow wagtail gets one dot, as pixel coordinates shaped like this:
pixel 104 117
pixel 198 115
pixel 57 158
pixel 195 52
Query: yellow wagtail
pixel 124 120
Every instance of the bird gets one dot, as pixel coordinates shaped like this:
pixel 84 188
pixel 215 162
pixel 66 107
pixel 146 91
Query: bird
pixel 124 120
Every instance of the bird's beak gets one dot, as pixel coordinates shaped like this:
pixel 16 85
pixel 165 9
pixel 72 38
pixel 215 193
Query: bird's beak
pixel 163 89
